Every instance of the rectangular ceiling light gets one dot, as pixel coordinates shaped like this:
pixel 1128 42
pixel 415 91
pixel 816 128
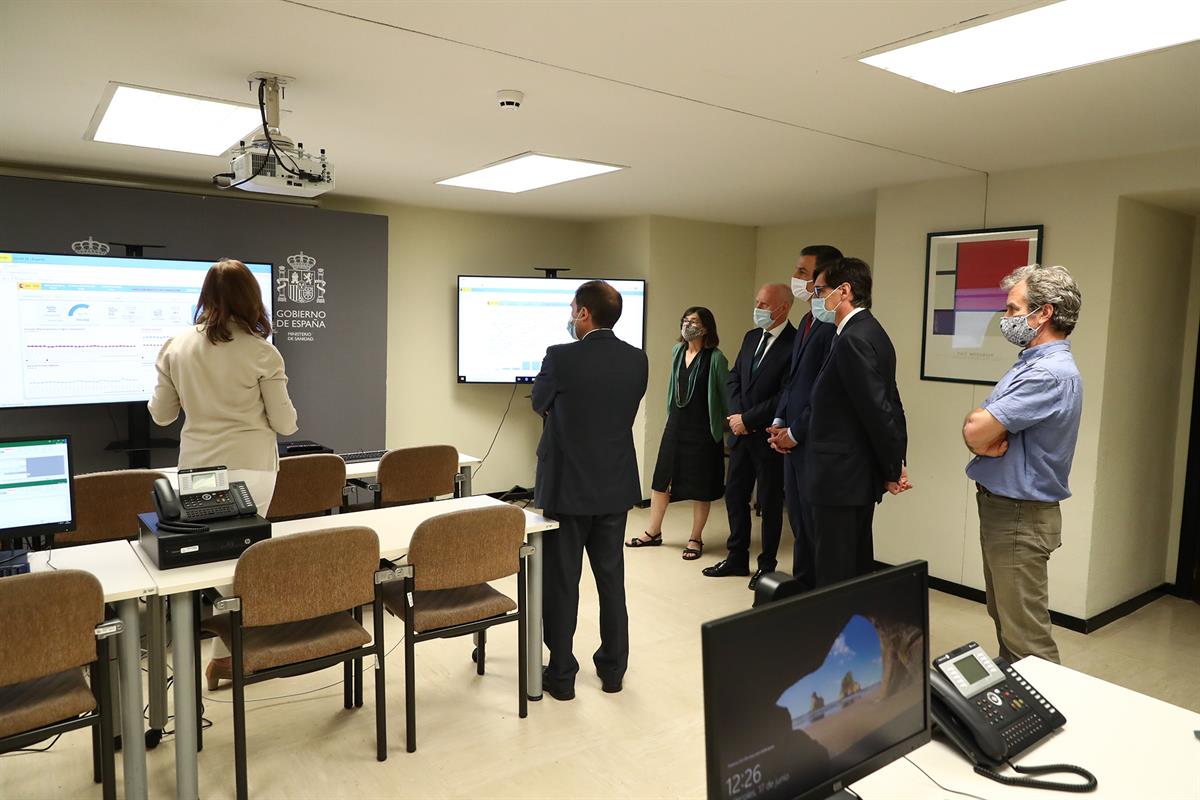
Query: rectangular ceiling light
pixel 1052 38
pixel 528 171
pixel 185 123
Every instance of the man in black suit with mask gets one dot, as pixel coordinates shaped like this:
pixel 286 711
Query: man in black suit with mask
pixel 588 392
pixel 754 384
pixel 789 430
pixel 857 437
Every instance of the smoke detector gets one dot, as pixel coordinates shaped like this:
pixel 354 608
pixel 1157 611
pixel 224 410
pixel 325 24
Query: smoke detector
pixel 510 98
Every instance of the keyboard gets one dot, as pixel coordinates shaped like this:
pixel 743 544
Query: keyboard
pixel 362 455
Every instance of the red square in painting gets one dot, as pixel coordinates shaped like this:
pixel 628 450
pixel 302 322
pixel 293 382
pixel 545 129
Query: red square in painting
pixel 980 268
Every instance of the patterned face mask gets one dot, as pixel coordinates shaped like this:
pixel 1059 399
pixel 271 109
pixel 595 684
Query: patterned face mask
pixel 690 331
pixel 1017 330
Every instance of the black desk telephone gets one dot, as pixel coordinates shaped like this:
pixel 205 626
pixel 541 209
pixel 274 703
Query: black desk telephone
pixel 991 713
pixel 205 495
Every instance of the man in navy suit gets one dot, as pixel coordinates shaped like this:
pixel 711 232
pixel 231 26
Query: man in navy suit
pixel 857 436
pixel 754 384
pixel 588 392
pixel 790 427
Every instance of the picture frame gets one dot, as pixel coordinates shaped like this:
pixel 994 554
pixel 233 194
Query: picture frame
pixel 960 337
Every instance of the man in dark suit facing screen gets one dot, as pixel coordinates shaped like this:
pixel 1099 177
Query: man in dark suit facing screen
pixel 588 393
pixel 857 437
pixel 790 428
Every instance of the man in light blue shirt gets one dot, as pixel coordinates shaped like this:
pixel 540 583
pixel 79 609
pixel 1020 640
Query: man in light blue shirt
pixel 1023 439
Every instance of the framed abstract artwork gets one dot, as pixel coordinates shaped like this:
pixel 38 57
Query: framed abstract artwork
pixel 961 341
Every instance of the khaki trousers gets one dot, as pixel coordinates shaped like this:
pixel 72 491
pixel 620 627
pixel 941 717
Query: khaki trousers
pixel 1017 538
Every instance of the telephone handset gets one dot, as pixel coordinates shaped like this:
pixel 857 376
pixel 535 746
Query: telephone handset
pixel 991 713
pixel 205 495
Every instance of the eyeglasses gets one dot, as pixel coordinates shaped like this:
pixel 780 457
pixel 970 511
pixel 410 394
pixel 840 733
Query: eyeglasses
pixel 819 291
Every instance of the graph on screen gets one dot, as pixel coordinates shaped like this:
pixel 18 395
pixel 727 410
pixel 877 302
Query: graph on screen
pixel 505 324
pixel 87 329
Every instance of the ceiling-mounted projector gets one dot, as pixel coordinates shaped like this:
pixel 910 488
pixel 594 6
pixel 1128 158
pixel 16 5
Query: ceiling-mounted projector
pixel 272 163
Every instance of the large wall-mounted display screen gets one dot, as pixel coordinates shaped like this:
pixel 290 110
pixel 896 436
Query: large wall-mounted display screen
pixel 87 329
pixel 506 324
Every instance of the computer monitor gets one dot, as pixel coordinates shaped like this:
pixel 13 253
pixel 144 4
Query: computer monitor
pixel 806 695
pixel 88 329
pixel 37 493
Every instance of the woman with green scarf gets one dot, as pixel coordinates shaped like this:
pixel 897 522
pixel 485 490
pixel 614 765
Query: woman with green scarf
pixel 691 458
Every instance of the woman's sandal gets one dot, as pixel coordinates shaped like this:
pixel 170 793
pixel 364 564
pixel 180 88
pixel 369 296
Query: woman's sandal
pixel 654 541
pixel 692 553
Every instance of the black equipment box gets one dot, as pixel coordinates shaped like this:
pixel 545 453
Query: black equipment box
pixel 225 539
pixel 301 447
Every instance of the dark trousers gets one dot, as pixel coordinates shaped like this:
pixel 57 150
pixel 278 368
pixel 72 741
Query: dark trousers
pixel 601 536
pixel 843 544
pixel 753 462
pixel 800 517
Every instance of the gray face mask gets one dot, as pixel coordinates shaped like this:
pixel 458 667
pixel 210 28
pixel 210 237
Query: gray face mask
pixel 690 331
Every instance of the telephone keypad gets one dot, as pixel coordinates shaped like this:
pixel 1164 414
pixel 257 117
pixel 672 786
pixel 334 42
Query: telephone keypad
pixel 209 504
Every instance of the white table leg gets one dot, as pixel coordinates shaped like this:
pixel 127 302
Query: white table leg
pixel 129 664
pixel 533 645
pixel 465 483
pixel 183 636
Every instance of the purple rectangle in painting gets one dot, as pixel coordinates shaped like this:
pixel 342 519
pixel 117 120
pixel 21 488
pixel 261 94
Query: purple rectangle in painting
pixel 980 299
pixel 943 323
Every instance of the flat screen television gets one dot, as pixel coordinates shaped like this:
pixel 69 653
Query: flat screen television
pixel 806 695
pixel 87 329
pixel 505 324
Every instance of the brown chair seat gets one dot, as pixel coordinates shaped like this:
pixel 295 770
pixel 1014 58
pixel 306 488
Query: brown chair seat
pixel 44 701
pixel 443 608
pixel 291 642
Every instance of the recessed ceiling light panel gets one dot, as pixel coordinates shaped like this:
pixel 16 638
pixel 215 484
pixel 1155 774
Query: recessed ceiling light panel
pixel 144 117
pixel 1052 38
pixel 528 171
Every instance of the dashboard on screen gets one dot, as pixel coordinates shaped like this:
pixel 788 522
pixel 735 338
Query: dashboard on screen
pixel 506 324
pixel 87 329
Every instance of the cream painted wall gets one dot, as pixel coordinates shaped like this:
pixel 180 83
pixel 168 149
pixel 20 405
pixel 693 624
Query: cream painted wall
pixel 1140 404
pixel 683 262
pixel 778 247
pixel 427 249
pixel 1078 204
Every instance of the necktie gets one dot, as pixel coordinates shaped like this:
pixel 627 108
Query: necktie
pixel 761 351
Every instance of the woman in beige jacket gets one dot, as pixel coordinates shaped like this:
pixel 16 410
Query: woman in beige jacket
pixel 229 382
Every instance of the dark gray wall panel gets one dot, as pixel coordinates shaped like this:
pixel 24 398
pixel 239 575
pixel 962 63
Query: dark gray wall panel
pixel 337 373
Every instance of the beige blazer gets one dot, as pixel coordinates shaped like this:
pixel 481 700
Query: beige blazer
pixel 234 398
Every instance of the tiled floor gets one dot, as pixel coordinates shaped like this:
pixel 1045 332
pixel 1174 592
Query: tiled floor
pixel 647 742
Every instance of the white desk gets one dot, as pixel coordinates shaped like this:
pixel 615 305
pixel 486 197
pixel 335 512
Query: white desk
pixel 157 614
pixel 369 469
pixel 124 581
pixel 394 526
pixel 1136 746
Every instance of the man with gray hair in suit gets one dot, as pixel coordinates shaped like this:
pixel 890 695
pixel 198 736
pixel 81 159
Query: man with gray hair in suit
pixel 1023 439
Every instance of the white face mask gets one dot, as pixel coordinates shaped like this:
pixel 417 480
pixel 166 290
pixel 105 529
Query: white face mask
pixel 800 289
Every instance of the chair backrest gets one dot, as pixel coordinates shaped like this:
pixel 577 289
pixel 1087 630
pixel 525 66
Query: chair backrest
pixel 465 548
pixel 47 623
pixel 307 486
pixel 417 473
pixel 306 575
pixel 107 505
